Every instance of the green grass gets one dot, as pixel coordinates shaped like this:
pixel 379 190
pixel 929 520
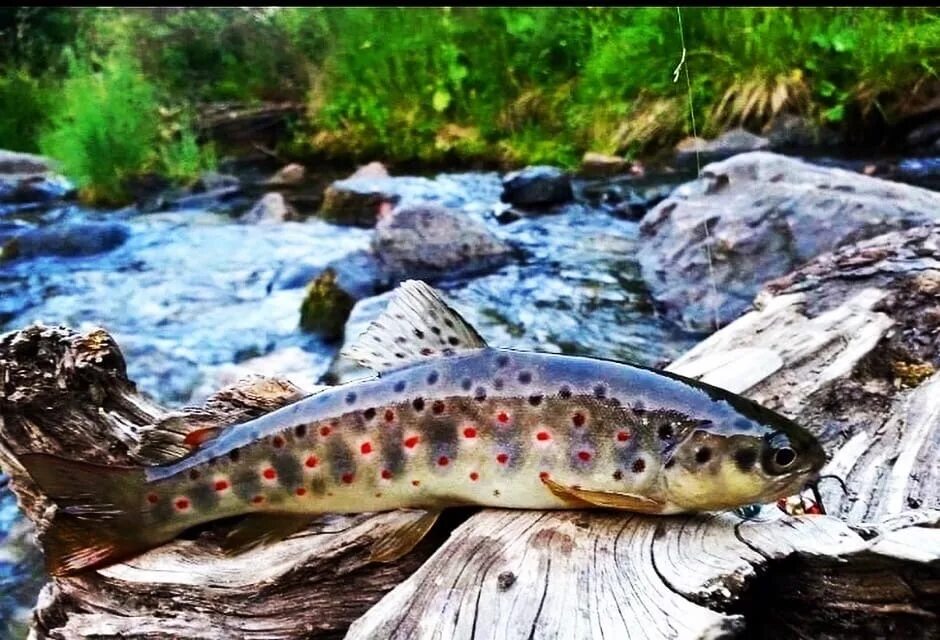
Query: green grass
pixel 518 85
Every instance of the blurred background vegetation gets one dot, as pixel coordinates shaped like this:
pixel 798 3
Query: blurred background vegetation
pixel 113 93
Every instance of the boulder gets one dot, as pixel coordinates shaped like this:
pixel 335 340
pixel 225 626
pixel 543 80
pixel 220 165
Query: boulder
pixel 790 131
pixel 23 188
pixel 288 176
pixel 325 307
pixel 728 144
pixel 371 170
pixel 599 165
pixel 430 241
pixel 69 240
pixel 270 209
pixel 766 214
pixel 17 162
pixel 537 186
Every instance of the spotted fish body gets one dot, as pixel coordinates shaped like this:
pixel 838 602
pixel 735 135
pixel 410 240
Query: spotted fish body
pixel 460 423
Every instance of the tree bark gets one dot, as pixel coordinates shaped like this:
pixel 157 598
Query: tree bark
pixel 849 345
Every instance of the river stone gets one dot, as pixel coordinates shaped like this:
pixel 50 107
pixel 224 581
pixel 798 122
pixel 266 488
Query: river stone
pixel 290 175
pixel 600 165
pixel 17 162
pixel 325 307
pixel 766 215
pixel 69 240
pixel 23 188
pixel 790 131
pixel 537 186
pixel 728 144
pixel 270 209
pixel 429 241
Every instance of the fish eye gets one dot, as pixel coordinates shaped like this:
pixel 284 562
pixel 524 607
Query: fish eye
pixel 784 457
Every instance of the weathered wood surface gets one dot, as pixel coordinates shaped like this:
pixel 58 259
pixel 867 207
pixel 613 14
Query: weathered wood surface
pixel 849 345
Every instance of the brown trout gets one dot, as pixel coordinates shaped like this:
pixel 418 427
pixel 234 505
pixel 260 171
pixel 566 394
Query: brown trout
pixel 448 421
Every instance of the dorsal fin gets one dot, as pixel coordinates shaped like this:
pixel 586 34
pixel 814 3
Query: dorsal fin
pixel 417 325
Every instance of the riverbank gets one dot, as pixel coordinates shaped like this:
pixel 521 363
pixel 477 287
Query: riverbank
pixel 458 87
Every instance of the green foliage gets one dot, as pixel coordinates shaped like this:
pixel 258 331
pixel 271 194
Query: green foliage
pixel 106 130
pixel 24 103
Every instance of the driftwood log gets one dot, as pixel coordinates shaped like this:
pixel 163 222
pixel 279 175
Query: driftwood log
pixel 849 345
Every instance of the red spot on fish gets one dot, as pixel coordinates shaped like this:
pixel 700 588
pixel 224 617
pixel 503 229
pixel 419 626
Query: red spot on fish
pixel 197 437
pixel 277 442
pixel 443 461
pixel 438 406
pixel 578 419
pixel 366 448
pixel 503 417
pixel 543 475
pixel 584 455
pixel 474 476
pixel 182 504
pixel 300 491
pixel 258 499
pixel 542 435
pixel 221 485
pixel 622 436
pixel 415 483
pixel 311 462
pixel 347 478
pixel 153 498
pixel 269 473
pixel 389 415
pixel 502 458
pixel 469 432
pixel 386 474
pixel 325 431
pixel 412 442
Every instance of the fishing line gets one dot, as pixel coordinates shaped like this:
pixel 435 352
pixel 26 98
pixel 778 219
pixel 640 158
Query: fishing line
pixel 684 66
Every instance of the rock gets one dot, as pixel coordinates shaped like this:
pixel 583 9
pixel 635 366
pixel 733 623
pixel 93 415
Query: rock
pixel 68 240
pixel 291 363
pixel 507 215
pixel 790 131
pixel 537 186
pixel 270 209
pixel 728 144
pixel 370 171
pixel 429 241
pixel 766 215
pixel 291 175
pixel 600 165
pixel 924 136
pixel 19 189
pixel 16 162
pixel 325 307
pixel 210 181
pixel 342 370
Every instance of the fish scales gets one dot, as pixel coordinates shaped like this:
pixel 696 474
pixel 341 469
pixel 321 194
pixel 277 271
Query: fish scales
pixel 449 421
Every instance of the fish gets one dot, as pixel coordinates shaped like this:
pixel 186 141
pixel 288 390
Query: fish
pixel 446 421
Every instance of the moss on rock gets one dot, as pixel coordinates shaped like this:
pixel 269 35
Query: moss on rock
pixel 325 307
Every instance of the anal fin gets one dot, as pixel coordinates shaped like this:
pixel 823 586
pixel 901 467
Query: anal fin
pixel 606 499
pixel 403 539
pixel 263 528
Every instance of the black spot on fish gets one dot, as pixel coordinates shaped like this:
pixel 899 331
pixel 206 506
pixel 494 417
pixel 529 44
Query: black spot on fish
pixel 498 383
pixel 418 404
pixel 289 471
pixel 639 465
pixel 703 455
pixel 745 458
pixel 618 474
pixel 203 496
pixel 453 341
pixel 479 394
pixel 369 413
pixel 234 455
pixel 426 351
pixel 502 361
pixel 436 331
pixel 341 459
pixel 564 393
pixel 665 431
pixel 300 430
pixel 401 340
pixel 194 474
pixel 433 377
pixel 525 377
pixel 449 322
pixel 377 338
pixel 399 386
pixel 535 400
pixel 466 383
pixel 400 355
pixel 350 397
pixel 419 334
pixel 600 391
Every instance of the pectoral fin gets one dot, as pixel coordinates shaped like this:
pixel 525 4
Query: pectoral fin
pixel 402 540
pixel 605 499
pixel 262 528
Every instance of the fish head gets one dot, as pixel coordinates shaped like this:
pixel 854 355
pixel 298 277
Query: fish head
pixel 741 454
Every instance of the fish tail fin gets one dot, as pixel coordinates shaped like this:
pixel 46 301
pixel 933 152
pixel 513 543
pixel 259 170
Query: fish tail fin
pixel 98 521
